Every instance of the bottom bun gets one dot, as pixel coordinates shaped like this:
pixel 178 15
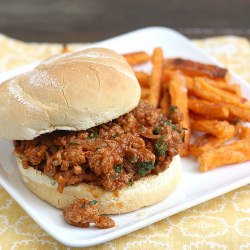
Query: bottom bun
pixel 144 192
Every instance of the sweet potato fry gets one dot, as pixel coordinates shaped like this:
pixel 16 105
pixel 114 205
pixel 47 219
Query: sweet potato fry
pixel 231 88
pixel 220 129
pixel 179 98
pixel 205 143
pixel 208 109
pixel 189 82
pixel 197 117
pixel 143 78
pixel 198 111
pixel 167 75
pixel 244 132
pixel 65 49
pixel 136 58
pixel 193 69
pixel 165 100
pixel 204 90
pixel 235 152
pixel 156 77
pixel 236 112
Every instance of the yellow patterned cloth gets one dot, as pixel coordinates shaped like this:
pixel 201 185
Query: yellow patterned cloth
pixel 222 223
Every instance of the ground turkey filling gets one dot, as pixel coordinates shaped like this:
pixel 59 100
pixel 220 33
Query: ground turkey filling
pixel 111 155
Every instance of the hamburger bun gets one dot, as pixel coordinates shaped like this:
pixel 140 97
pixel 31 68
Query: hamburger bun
pixel 144 192
pixel 71 91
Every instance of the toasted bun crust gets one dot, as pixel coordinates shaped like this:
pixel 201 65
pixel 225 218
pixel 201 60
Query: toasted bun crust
pixel 144 192
pixel 72 91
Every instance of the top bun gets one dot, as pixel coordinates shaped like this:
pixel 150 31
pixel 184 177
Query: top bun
pixel 71 91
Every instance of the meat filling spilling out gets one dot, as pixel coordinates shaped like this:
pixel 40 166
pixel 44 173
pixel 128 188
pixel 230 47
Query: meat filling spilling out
pixel 111 155
pixel 83 212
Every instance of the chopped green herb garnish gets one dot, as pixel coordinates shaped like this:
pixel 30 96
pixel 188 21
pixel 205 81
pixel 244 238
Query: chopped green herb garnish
pixel 156 163
pixel 131 181
pixel 142 171
pixel 53 182
pixel 134 159
pixel 92 135
pixel 159 143
pixel 157 130
pixel 161 146
pixel 115 135
pixel 84 205
pixel 63 132
pixel 184 128
pixel 114 177
pixel 143 167
pixel 97 148
pixel 183 137
pixel 143 128
pixel 118 168
pixel 73 143
pixel 163 150
pixel 93 202
pixel 172 109
pixel 169 123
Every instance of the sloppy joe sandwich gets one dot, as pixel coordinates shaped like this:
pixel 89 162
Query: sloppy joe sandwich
pixel 81 131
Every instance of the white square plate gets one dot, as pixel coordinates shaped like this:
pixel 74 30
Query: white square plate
pixel 195 187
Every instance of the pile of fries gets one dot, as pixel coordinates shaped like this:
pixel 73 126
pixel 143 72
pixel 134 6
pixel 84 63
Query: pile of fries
pixel 213 107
